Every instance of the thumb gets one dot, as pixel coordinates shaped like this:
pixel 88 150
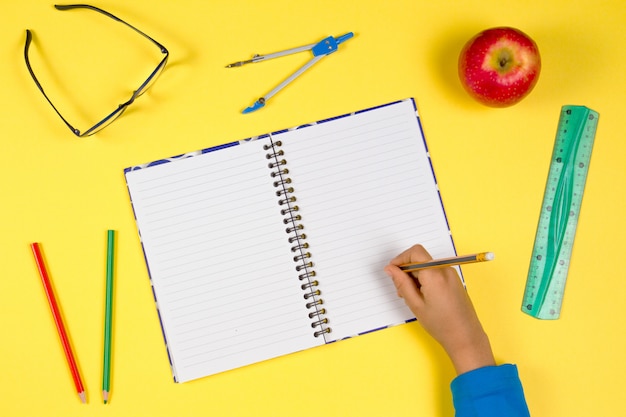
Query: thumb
pixel 406 286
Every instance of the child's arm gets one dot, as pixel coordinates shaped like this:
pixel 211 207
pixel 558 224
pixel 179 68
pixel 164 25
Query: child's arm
pixel 441 304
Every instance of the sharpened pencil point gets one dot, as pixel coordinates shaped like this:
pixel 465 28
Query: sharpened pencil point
pixel 105 396
pixel 83 398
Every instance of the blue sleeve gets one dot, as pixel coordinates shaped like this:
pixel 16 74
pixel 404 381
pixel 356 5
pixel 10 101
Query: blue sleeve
pixel 492 391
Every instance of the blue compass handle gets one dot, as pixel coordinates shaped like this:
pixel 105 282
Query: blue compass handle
pixel 344 38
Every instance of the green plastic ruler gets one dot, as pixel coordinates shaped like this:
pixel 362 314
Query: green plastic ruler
pixel 558 219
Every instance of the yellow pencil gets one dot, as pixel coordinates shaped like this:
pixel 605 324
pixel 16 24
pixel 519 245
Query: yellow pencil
pixel 455 260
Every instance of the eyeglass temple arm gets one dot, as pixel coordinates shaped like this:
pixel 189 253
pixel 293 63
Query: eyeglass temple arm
pixel 29 38
pixel 63 7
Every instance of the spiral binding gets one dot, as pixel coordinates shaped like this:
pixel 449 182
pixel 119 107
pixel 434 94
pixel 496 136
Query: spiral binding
pixel 302 258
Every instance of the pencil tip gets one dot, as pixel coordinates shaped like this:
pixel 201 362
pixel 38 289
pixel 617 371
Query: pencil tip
pixel 105 396
pixel 83 398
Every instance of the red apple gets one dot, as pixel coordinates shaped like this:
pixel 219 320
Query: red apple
pixel 499 66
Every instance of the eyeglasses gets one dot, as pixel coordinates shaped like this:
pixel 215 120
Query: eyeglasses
pixel 122 107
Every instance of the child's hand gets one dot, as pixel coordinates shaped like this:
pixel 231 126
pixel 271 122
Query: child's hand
pixel 441 304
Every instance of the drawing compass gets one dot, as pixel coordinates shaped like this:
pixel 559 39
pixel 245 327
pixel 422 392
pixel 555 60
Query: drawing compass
pixel 320 49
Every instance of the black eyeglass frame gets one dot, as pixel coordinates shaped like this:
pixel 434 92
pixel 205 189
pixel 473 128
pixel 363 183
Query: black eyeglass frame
pixel 122 107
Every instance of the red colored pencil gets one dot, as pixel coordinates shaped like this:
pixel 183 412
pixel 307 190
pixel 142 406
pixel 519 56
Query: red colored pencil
pixel 45 279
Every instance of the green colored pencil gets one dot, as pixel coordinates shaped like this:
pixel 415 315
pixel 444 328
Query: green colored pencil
pixel 108 317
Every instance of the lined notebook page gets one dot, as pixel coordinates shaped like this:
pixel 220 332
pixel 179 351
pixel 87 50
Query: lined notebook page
pixel 219 261
pixel 366 192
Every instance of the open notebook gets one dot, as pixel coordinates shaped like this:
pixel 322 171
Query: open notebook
pixel 277 243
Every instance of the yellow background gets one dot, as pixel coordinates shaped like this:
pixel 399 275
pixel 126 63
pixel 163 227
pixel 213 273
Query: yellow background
pixel 491 165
